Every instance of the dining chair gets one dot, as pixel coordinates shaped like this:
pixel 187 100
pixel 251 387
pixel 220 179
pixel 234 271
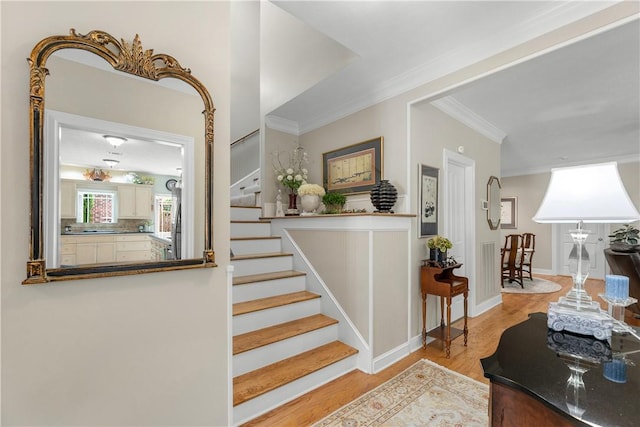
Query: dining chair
pixel 512 255
pixel 529 248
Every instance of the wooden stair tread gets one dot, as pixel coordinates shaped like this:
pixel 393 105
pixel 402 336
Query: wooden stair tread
pixel 248 207
pixel 271 302
pixel 263 277
pixel 255 383
pixel 250 221
pixel 261 337
pixel 262 255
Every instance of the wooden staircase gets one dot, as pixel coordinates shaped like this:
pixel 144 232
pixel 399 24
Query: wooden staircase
pixel 283 346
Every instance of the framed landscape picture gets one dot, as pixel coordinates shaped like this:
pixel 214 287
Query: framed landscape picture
pixel 428 200
pixel 354 169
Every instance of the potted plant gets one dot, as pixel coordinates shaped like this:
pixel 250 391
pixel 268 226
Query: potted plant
pixel 625 239
pixel 333 202
pixel 438 247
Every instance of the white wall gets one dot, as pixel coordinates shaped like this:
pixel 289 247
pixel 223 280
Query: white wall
pixel 434 131
pixel 137 350
pixel 276 141
pixel 293 57
pixel 245 68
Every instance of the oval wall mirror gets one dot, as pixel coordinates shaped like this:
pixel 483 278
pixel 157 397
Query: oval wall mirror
pixel 120 125
pixel 493 198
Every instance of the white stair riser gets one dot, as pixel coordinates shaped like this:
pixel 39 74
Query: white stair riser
pixel 245 214
pixel 255 246
pixel 245 267
pixel 268 288
pixel 250 229
pixel 261 404
pixel 259 357
pixel 264 318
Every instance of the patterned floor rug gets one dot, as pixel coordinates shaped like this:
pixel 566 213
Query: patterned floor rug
pixel 426 394
pixel 535 286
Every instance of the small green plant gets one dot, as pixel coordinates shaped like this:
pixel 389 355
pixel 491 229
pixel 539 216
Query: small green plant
pixel 333 202
pixel 627 234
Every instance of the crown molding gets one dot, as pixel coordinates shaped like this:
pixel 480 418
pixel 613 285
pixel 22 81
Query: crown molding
pixel 462 113
pixel 282 125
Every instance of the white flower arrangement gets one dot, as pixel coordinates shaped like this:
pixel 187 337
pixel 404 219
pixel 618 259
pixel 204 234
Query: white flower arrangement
pixel 311 190
pixel 293 175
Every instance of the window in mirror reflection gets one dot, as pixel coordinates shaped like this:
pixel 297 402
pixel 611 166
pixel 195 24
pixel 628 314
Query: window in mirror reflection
pixel 164 216
pixel 96 207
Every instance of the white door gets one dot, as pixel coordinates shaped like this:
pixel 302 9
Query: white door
pixel 595 246
pixel 458 219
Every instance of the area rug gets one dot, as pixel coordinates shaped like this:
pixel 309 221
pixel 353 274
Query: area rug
pixel 425 394
pixel 535 286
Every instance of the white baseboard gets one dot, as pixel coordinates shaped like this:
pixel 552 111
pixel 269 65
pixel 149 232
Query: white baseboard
pixel 390 357
pixel 487 305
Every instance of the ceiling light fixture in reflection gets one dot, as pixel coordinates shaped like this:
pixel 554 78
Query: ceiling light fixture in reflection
pixel 111 162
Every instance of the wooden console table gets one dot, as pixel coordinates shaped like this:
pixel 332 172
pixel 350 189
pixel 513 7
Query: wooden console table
pixel 439 280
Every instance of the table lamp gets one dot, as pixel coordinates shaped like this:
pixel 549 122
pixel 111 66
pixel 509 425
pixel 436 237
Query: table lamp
pixel 583 194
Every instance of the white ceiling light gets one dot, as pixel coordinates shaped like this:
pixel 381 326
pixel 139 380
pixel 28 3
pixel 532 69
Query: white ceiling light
pixel 116 141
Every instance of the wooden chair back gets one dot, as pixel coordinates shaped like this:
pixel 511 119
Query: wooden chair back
pixel 529 241
pixel 512 250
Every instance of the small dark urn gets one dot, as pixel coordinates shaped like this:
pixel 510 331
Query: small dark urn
pixel 384 196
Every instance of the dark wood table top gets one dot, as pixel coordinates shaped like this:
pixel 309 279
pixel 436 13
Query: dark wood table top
pixel 536 360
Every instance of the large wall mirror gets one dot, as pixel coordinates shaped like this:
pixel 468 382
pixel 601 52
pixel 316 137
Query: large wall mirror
pixel 121 161
pixel 493 198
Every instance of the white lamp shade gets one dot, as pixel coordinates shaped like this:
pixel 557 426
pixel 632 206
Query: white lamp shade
pixel 590 193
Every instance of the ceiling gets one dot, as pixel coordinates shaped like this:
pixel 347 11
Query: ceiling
pixel 577 104
pixel 88 149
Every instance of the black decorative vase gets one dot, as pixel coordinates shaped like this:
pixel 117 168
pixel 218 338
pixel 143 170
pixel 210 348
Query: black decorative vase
pixel 442 256
pixel 433 254
pixel 384 196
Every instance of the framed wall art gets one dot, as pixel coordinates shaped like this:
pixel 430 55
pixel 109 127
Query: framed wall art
pixel 428 200
pixel 354 169
pixel 509 212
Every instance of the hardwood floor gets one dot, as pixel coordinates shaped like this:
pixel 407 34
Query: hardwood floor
pixel 484 332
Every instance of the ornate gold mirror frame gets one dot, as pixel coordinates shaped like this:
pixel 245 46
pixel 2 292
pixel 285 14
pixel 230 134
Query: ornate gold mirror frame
pixel 493 205
pixel 130 59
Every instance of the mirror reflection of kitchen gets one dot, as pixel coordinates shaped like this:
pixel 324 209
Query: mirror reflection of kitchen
pixel 120 196
pixel 119 174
